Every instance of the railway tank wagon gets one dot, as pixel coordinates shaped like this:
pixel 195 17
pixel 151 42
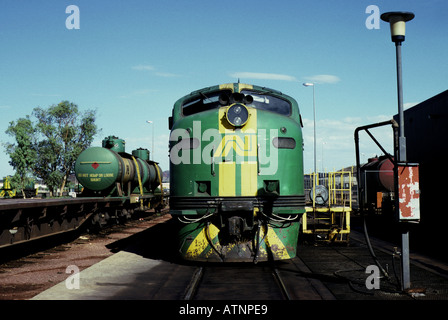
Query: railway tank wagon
pixel 109 171
pixel 115 185
pixel 236 174
pixel 377 184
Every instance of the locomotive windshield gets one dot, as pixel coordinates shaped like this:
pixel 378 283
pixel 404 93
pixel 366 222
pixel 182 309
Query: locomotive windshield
pixel 203 102
pixel 271 103
pixel 259 100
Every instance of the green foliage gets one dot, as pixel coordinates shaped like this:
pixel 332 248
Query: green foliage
pixel 23 154
pixel 50 147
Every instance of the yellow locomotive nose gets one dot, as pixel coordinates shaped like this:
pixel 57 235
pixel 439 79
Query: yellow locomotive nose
pixel 237 115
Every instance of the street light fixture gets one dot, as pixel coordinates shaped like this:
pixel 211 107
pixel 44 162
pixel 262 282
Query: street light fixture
pixel 310 84
pixel 397 22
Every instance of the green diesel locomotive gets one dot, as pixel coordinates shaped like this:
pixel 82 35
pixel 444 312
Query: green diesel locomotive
pixel 236 173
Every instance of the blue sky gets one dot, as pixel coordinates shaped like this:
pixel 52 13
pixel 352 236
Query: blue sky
pixel 131 60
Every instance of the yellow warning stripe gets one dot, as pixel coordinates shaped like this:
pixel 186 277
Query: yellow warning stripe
pixel 249 168
pixel 227 183
pixel 273 242
pixel 226 86
pixel 249 175
pixel 200 242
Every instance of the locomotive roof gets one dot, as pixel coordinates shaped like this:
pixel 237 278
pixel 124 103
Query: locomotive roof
pixel 237 87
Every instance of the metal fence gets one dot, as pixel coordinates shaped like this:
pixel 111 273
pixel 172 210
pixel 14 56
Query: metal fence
pixel 340 186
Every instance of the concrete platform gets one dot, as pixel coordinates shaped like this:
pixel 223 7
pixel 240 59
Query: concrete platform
pixel 125 275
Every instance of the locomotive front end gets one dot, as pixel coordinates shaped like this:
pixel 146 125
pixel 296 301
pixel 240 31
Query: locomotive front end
pixel 236 170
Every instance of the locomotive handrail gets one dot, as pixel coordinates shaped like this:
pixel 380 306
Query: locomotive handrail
pixel 213 161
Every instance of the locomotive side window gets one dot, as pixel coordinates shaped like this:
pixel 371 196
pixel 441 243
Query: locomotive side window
pixel 203 102
pixel 269 103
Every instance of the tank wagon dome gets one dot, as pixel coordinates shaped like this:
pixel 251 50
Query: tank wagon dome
pixel 114 143
pixel 141 153
pixel 97 168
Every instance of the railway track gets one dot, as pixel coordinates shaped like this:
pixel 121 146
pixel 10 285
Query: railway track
pixel 265 281
pixel 34 246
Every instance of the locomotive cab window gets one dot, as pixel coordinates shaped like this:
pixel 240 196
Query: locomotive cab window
pixel 203 102
pixel 268 103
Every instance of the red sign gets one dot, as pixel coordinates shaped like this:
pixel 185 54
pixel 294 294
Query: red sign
pixel 95 165
pixel 408 192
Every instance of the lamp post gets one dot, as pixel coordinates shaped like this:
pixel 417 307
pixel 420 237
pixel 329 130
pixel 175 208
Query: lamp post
pixel 397 22
pixel 309 84
pixel 152 147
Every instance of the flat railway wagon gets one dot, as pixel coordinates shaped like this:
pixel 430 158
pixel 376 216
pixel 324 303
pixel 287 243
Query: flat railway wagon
pixel 236 174
pixel 115 184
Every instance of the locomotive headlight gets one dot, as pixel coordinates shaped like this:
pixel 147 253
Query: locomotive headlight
pixel 237 109
pixel 237 115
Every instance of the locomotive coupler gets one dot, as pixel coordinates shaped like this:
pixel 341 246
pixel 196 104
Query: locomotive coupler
pixel 236 217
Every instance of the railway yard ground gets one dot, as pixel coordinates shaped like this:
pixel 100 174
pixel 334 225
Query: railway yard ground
pixel 137 261
pixel 25 276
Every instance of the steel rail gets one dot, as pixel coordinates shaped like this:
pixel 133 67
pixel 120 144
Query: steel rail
pixel 194 284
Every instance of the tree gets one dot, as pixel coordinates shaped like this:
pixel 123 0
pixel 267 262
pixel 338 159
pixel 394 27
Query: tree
pixel 49 148
pixel 64 133
pixel 22 153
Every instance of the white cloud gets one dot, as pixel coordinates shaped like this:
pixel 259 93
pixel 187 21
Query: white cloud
pixel 408 105
pixel 335 144
pixel 158 73
pixel 262 76
pixel 143 67
pixel 323 78
pixel 320 78
pixel 167 74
